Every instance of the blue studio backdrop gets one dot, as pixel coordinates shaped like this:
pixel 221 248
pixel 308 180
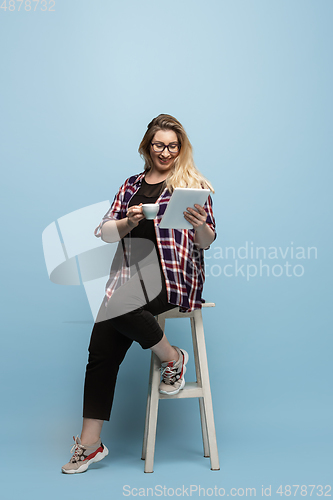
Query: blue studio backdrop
pixel 251 81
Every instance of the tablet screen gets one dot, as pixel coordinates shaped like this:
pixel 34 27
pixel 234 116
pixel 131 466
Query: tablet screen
pixel 182 198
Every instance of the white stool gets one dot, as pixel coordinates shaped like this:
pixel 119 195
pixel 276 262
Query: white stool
pixel 199 389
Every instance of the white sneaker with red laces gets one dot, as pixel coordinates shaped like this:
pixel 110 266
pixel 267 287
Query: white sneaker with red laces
pixel 84 455
pixel 173 374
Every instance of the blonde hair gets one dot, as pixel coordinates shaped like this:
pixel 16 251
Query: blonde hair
pixel 184 172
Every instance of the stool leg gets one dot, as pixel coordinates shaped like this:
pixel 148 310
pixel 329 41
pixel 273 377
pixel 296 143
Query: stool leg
pixel 204 428
pixel 144 445
pixel 207 396
pixel 199 382
pixel 152 415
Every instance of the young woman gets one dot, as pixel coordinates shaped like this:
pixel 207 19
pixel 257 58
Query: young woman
pixel 135 293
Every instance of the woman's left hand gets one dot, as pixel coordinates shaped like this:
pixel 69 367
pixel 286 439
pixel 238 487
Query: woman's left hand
pixel 196 217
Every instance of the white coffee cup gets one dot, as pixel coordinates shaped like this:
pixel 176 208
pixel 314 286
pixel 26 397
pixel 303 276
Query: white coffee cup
pixel 150 210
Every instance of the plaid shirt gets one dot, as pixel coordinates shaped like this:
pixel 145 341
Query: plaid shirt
pixel 182 261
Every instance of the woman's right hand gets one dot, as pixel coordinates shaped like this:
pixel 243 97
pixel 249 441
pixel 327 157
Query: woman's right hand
pixel 134 215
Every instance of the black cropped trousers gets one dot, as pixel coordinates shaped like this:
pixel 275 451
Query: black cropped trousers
pixel 111 339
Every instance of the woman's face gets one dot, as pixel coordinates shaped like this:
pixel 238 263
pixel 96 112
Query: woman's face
pixel 163 161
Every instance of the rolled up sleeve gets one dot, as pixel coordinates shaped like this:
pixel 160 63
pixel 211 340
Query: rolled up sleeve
pixel 114 213
pixel 208 206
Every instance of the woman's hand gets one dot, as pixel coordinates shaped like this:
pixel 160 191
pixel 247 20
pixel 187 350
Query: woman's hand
pixel 115 230
pixel 196 217
pixel 134 215
pixel 204 235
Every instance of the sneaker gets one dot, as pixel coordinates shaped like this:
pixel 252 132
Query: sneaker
pixel 84 455
pixel 173 374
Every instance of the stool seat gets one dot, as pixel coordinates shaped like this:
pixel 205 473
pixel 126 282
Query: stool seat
pixel 199 389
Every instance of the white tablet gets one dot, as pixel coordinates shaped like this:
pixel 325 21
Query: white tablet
pixel 182 198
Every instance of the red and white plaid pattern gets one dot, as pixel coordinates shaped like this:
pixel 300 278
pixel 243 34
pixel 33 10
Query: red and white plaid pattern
pixel 182 261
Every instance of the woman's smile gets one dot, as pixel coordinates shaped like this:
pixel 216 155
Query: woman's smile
pixel 165 161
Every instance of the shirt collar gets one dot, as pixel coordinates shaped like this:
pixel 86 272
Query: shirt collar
pixel 139 178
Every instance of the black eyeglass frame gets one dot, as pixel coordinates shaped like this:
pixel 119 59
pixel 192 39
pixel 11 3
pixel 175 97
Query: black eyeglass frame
pixel 166 146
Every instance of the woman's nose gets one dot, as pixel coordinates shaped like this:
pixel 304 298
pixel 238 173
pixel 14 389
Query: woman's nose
pixel 166 152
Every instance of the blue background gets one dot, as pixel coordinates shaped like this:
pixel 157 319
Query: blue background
pixel 251 81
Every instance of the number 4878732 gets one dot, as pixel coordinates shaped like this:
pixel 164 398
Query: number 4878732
pixel 27 5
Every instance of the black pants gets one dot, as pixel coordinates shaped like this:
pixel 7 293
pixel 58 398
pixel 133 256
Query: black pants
pixel 110 340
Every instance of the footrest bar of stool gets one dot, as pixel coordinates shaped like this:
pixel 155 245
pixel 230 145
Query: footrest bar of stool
pixel 191 390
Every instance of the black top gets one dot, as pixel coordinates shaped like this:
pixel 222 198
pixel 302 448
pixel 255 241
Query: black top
pixel 147 193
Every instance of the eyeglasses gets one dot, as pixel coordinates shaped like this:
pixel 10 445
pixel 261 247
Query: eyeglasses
pixel 159 147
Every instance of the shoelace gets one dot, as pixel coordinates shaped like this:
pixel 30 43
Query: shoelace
pixel 76 448
pixel 169 374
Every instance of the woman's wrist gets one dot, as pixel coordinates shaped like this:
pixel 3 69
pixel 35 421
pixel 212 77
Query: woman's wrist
pixel 204 237
pixel 130 224
pixel 201 227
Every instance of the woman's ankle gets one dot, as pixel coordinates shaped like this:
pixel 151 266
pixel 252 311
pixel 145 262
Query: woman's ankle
pixel 91 431
pixel 176 358
pixel 89 440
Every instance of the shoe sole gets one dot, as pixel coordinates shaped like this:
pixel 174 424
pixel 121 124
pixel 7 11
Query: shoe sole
pixel 182 384
pixel 84 467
